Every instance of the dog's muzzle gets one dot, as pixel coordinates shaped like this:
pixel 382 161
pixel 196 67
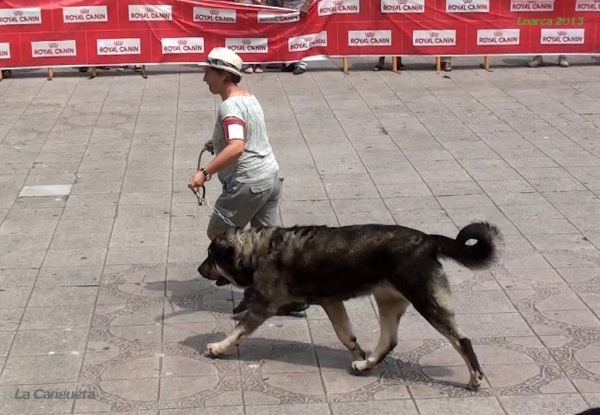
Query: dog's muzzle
pixel 208 270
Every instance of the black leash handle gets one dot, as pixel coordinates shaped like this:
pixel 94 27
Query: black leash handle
pixel 196 192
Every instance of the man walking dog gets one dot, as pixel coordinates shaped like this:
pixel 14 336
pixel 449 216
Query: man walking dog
pixel 244 160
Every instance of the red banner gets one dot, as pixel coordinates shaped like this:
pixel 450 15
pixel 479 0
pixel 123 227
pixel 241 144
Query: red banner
pixel 53 33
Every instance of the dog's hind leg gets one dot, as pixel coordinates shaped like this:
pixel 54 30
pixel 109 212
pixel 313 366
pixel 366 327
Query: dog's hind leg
pixel 260 311
pixel 437 308
pixel 392 306
pixel 336 311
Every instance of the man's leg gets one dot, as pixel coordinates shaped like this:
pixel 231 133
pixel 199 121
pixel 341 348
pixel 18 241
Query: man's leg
pixel 244 203
pixel 268 215
pixel 238 205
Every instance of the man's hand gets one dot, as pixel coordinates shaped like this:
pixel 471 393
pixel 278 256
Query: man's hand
pixel 210 147
pixel 197 180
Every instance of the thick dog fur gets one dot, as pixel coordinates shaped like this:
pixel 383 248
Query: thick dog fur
pixel 327 265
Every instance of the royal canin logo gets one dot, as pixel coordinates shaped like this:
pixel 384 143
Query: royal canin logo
pixel 246 45
pixel 212 15
pixel 4 50
pixel 498 37
pixel 369 38
pixel 186 45
pixel 54 49
pixel 402 6
pixel 562 37
pixel 22 16
pixel 268 17
pixel 329 7
pixel 434 38
pixel 308 41
pixel 531 5
pixel 587 6
pixel 467 6
pixel 88 14
pixel 150 13
pixel 108 47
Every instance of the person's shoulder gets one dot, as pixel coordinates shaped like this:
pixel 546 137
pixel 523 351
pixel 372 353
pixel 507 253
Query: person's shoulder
pixel 239 106
pixel 236 100
pixel 230 104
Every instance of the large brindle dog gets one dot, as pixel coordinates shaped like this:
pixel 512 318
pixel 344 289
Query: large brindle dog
pixel 327 265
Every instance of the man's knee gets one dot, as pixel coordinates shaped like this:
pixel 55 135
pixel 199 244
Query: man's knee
pixel 216 227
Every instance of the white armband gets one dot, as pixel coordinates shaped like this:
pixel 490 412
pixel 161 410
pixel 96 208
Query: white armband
pixel 235 132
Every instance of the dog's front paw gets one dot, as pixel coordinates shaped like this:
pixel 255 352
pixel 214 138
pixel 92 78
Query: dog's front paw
pixel 359 366
pixel 214 350
pixel 475 381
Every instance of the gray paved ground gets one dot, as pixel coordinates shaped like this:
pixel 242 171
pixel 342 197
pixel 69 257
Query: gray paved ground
pixel 98 290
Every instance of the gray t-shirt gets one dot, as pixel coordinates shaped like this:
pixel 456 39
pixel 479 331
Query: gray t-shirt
pixel 258 162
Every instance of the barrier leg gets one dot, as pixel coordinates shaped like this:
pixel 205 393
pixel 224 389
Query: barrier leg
pixel 438 64
pixel 94 72
pixel 345 65
pixel 0 74
pixel 144 73
pixel 395 64
pixel 486 64
pixel 50 74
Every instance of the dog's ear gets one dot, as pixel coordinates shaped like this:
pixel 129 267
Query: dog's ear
pixel 224 252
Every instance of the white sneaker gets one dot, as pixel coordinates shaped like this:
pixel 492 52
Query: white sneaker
pixel 562 61
pixel 249 69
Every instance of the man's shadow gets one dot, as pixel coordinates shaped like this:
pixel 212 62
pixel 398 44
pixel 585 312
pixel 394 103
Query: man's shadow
pixel 198 294
pixel 194 295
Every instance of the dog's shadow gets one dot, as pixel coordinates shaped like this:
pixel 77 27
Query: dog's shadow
pixel 197 294
pixel 280 356
pixel 260 351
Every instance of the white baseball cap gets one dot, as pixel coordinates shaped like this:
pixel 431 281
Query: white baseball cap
pixel 225 59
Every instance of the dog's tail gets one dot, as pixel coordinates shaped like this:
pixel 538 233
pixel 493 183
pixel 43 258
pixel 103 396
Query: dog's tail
pixel 477 256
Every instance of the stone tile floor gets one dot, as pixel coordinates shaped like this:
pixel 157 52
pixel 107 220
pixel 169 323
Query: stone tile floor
pixel 98 287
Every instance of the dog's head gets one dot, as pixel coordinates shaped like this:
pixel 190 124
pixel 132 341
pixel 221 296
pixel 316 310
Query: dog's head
pixel 227 262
